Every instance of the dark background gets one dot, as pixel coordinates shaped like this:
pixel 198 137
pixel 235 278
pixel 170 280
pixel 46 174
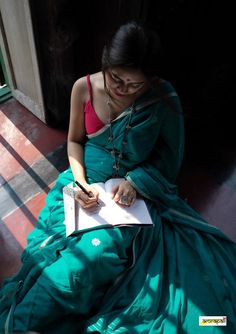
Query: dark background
pixel 197 36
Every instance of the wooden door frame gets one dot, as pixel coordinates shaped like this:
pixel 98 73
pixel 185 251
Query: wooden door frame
pixel 35 106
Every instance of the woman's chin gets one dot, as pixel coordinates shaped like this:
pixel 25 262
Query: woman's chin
pixel 120 95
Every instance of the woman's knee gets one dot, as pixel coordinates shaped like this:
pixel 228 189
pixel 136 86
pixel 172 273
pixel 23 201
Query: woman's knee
pixel 98 256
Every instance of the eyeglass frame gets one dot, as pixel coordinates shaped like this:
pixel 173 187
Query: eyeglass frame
pixel 118 81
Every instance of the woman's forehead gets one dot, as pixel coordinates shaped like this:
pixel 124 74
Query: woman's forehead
pixel 128 74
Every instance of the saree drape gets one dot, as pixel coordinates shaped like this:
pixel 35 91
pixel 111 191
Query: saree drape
pixel 156 280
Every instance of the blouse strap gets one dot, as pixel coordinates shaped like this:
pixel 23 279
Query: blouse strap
pixel 89 87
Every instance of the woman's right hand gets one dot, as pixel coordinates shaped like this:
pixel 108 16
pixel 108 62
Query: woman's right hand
pixel 87 202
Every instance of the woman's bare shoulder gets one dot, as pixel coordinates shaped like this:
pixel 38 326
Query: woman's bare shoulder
pixel 80 88
pixel 97 81
pixel 81 85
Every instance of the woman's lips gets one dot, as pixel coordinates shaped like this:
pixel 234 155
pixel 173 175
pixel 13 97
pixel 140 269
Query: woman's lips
pixel 118 94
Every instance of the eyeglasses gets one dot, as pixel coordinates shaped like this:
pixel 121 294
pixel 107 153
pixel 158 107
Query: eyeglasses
pixel 131 86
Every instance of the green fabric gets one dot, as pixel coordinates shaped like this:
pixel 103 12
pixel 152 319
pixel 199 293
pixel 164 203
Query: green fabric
pixel 127 280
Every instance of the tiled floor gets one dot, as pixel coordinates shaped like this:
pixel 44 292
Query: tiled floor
pixel 33 154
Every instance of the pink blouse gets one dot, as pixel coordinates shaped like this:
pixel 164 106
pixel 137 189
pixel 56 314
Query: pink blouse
pixel 92 122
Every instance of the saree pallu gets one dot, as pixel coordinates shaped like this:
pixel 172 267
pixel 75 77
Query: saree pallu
pixel 157 280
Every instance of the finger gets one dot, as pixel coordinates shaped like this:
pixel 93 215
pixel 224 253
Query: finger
pixel 132 201
pixel 128 199
pixel 125 199
pixel 114 191
pixel 88 205
pixel 87 199
pixel 82 196
pixel 118 195
pixel 93 193
pixel 83 199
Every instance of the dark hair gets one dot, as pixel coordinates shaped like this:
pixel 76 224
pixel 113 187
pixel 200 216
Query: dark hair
pixel 134 46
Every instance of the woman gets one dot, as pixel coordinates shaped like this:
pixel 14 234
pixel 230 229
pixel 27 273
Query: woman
pixel 125 122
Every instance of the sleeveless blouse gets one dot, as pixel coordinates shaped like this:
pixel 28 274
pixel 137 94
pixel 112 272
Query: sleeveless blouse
pixel 92 121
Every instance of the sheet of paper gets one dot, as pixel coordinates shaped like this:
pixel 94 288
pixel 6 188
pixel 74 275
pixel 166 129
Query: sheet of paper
pixel 108 212
pixel 69 208
pixel 112 213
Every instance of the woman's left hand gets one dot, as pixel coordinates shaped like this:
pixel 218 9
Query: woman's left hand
pixel 124 194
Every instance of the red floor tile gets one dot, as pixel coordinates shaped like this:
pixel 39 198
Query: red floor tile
pixel 35 204
pixel 19 226
pixel 14 230
pixel 220 210
pixel 44 138
pixel 9 166
pixel 24 138
pixel 10 253
pixel 214 201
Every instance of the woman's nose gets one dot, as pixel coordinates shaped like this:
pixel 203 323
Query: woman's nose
pixel 122 88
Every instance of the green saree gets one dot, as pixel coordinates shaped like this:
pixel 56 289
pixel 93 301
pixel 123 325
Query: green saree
pixel 156 280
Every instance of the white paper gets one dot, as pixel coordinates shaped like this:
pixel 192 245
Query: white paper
pixel 108 213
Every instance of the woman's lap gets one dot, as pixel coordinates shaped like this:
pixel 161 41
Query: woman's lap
pixel 78 279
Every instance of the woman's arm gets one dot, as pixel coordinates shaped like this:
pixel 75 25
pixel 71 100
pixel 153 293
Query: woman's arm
pixel 77 134
pixel 155 177
pixel 76 140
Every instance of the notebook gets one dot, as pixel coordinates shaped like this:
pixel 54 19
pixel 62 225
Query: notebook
pixel 108 213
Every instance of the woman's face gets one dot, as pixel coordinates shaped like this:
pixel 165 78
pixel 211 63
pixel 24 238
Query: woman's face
pixel 126 82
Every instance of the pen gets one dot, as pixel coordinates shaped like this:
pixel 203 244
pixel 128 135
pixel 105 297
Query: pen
pixel 84 190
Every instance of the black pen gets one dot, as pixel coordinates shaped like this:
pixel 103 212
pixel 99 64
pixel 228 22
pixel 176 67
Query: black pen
pixel 84 190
